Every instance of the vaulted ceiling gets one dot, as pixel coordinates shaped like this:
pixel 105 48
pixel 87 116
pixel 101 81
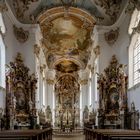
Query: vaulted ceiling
pixel 67 27
pixel 105 11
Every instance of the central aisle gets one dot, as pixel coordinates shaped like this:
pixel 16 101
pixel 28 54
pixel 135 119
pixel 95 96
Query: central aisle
pixel 80 137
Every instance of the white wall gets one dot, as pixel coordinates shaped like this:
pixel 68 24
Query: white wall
pixel 13 45
pixel 134 96
pixel 119 48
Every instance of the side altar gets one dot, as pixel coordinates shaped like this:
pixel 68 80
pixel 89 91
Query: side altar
pixel 20 95
pixel 112 85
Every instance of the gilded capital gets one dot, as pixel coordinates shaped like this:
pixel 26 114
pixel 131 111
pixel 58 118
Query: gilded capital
pixel 83 82
pixel 50 81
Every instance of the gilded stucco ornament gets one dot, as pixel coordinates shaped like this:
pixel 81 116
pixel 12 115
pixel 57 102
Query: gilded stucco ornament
pixel 136 29
pixel 21 6
pixel 20 34
pixel 132 4
pixel 36 50
pixel 3 7
pixel 50 81
pixel 42 68
pixel 111 36
pixel 97 50
pixel 111 7
pixel 83 82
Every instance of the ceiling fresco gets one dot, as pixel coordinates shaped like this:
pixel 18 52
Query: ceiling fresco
pixel 66 66
pixel 67 37
pixel 106 11
pixel 66 27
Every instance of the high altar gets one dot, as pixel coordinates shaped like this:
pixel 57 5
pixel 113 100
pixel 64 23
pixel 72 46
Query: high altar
pixel 20 95
pixel 112 87
pixel 67 112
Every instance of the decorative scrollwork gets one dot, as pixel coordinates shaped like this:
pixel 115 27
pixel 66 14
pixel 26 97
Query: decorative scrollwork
pixel 112 87
pixel 112 36
pixel 21 6
pixel 20 34
pixel 20 93
pixel 112 7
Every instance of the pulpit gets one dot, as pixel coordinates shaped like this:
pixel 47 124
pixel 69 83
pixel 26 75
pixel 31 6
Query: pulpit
pixel 20 95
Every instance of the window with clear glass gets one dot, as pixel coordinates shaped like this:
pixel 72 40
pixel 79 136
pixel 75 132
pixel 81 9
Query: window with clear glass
pixel 2 54
pixel 136 62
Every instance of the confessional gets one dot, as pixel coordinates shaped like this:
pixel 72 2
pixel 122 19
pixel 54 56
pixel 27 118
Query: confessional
pixel 20 96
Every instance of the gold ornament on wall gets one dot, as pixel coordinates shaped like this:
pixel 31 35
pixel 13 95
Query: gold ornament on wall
pixel 42 68
pixel 111 7
pixel 3 7
pixel 137 29
pixel 21 6
pixel 50 81
pixel 112 36
pixel 97 50
pixel 20 34
pixel 36 50
pixel 83 82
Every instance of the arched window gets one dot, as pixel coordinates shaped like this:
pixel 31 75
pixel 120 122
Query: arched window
pixel 2 53
pixel 136 61
pixel 43 86
pixel 134 49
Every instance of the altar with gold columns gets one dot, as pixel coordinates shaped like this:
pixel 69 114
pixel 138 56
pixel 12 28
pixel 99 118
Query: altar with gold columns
pixel 67 110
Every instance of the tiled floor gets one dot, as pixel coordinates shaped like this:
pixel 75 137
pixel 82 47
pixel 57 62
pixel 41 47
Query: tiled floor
pixel 68 137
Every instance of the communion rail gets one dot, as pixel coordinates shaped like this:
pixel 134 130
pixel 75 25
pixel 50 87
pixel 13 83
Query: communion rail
pixel 111 134
pixel 37 134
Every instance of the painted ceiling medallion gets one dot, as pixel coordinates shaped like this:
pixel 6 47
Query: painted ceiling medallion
pixel 20 34
pixel 112 36
pixel 67 38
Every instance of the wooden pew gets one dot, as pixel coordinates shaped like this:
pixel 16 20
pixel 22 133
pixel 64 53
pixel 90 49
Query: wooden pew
pixel 111 134
pixel 45 134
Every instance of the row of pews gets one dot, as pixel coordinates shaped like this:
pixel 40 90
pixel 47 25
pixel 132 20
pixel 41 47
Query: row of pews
pixel 45 134
pixel 111 134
